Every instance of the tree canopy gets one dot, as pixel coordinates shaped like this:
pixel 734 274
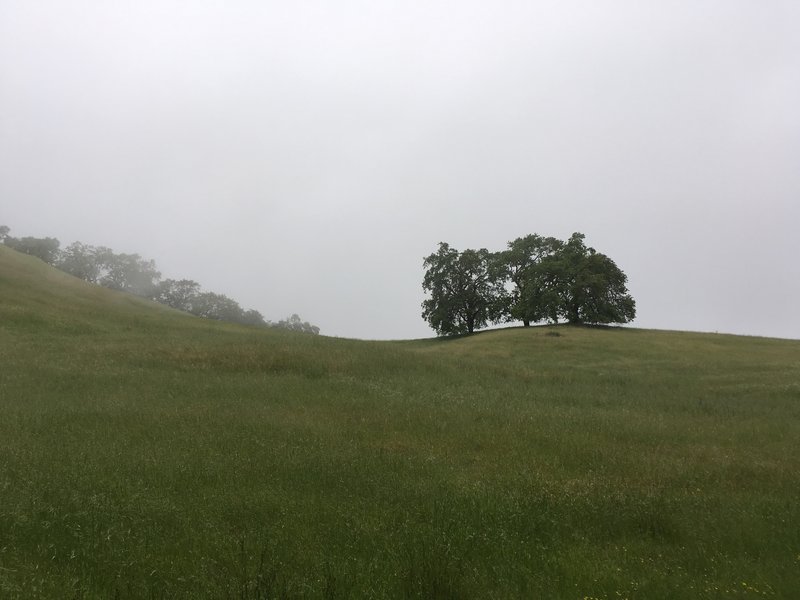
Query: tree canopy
pixel 589 285
pixel 535 279
pixel 531 298
pixel 466 290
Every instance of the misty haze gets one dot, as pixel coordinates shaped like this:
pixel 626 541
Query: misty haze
pixel 305 158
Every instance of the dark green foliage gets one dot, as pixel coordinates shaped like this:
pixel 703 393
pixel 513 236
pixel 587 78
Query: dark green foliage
pixel 555 280
pixel 589 285
pixel 550 281
pixel 532 298
pixel 466 290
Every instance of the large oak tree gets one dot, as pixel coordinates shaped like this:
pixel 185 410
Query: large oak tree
pixel 524 263
pixel 466 290
pixel 590 287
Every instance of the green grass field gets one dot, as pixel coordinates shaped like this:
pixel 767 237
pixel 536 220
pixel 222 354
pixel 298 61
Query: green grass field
pixel 145 453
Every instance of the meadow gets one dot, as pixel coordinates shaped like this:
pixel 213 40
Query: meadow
pixel 145 453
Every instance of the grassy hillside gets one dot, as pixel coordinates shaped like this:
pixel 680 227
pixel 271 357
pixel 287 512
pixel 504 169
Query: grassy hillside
pixel 148 454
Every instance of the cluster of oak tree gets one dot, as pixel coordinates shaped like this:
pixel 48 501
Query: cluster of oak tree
pixel 536 279
pixel 133 274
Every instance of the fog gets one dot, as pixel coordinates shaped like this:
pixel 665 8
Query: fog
pixel 303 157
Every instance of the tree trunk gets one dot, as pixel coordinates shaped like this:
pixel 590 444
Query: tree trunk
pixel 526 323
pixel 573 314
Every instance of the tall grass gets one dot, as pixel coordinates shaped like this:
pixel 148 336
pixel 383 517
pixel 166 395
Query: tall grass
pixel 147 454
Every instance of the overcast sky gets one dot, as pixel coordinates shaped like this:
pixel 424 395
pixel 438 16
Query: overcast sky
pixel 305 156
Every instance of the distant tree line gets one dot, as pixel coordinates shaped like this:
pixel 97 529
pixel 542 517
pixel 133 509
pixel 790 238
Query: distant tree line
pixel 536 279
pixel 133 274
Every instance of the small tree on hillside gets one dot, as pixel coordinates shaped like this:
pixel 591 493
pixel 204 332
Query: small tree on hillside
pixel 295 323
pixel 252 317
pixel 82 261
pixel 216 306
pixel 177 293
pixel 128 273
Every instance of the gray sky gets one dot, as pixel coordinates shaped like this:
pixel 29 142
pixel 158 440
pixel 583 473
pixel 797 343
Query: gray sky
pixel 305 156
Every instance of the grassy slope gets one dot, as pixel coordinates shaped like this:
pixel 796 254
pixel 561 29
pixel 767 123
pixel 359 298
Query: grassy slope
pixel 146 453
